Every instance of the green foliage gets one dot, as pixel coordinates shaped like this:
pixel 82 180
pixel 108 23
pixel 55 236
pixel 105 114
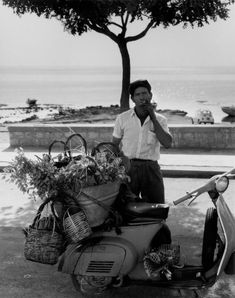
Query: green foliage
pixel 78 16
pixel 42 178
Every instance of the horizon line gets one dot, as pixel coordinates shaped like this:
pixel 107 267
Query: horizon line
pixel 115 66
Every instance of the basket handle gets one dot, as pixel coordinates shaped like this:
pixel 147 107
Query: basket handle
pixel 67 213
pixel 53 143
pixel 39 212
pixel 78 209
pixel 69 139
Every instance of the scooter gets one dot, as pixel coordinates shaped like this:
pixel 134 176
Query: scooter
pixel 110 260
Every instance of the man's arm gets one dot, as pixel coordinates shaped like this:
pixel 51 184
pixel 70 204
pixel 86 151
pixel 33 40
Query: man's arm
pixel 163 136
pixel 125 159
pixel 116 141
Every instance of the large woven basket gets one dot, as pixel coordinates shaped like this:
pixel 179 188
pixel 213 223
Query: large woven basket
pixel 96 201
pixel 76 226
pixel 43 242
pixel 43 246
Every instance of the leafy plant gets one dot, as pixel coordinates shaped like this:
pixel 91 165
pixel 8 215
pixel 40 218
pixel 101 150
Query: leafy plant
pixel 42 178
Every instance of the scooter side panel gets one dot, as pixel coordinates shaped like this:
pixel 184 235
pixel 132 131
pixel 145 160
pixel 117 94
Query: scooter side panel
pixel 139 235
pixel 103 259
pixel 228 225
pixel 104 256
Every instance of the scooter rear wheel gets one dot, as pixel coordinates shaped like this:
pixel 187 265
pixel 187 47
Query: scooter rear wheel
pixel 209 238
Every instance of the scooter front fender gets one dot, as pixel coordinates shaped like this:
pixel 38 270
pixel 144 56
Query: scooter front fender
pixel 228 226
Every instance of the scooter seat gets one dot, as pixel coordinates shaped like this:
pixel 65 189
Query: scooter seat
pixel 144 209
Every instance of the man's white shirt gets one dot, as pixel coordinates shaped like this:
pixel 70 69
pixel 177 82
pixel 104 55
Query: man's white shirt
pixel 138 141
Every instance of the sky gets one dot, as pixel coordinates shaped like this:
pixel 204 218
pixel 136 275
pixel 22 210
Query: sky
pixel 35 41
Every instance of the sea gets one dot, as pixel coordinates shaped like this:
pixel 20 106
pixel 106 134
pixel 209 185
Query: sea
pixel 181 88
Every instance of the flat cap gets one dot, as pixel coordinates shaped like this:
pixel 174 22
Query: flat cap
pixel 139 83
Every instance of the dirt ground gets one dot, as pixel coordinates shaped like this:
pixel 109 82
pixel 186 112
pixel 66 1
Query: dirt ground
pixel 25 279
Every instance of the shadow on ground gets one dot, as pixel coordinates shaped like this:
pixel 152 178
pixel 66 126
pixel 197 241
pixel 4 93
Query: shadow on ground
pixel 11 216
pixel 21 278
pixel 25 279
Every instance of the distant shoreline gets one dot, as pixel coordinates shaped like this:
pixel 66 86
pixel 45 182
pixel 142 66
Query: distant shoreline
pixel 187 88
pixel 55 113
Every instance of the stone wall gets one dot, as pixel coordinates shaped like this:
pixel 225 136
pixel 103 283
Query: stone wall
pixel 185 136
pixel 203 136
pixel 42 135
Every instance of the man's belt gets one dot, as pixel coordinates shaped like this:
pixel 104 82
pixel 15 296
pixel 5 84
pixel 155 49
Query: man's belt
pixel 142 160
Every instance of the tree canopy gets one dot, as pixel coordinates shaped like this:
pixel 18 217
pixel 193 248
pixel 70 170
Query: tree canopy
pixel 112 17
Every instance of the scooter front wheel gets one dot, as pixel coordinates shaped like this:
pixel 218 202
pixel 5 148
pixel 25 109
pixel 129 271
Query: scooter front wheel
pixel 209 238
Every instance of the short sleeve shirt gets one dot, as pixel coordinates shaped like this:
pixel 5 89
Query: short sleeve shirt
pixel 138 141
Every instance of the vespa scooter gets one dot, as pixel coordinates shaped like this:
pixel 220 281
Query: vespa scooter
pixel 110 260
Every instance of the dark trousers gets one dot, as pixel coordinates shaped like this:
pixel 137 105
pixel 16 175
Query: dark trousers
pixel 146 179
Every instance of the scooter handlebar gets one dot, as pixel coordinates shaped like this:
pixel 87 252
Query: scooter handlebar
pixel 182 199
pixel 196 192
pixel 204 188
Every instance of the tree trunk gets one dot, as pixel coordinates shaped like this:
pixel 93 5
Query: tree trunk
pixel 126 73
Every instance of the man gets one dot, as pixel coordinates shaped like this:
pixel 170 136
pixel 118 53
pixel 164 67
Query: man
pixel 141 131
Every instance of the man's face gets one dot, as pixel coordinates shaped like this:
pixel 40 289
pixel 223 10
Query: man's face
pixel 141 96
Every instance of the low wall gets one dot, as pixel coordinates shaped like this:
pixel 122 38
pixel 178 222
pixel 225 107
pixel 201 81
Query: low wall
pixel 30 135
pixel 203 136
pixel 184 136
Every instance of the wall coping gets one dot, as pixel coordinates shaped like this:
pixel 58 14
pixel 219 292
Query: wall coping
pixel 11 127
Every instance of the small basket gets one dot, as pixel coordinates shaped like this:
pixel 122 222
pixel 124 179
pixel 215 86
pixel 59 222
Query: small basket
pixel 43 246
pixel 76 226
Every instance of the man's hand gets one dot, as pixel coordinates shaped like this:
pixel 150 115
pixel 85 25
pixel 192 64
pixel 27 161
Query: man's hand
pixel 150 109
pixel 126 163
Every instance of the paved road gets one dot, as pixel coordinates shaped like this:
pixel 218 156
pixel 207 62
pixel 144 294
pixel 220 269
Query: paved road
pixel 23 279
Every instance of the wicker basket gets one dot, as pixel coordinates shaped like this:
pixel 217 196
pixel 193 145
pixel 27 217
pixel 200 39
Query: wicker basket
pixel 43 243
pixel 76 226
pixel 96 201
pixel 43 246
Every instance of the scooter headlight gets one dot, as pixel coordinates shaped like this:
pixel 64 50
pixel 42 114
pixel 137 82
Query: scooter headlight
pixel 222 184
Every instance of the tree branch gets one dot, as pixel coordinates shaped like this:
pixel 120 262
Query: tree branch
pixel 122 19
pixel 124 22
pixel 141 34
pixel 103 30
pixel 115 24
